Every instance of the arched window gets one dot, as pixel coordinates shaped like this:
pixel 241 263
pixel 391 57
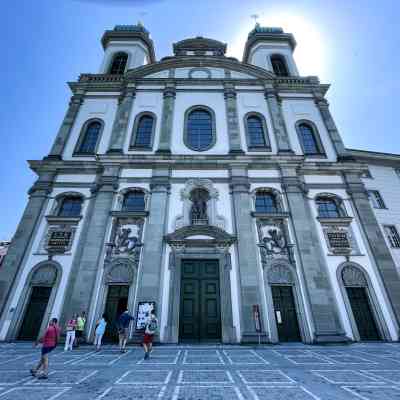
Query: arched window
pixel 309 139
pixel 199 128
pixel 143 132
pixel 134 201
pixel 70 207
pixel 198 211
pixel 256 130
pixel 266 202
pixel 328 207
pixel 119 63
pixel 279 65
pixel 89 138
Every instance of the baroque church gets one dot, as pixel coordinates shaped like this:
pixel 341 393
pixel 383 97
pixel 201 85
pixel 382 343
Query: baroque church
pixel 218 192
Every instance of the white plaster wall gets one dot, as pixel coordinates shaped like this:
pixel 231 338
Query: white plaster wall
pixel 195 173
pixel 216 73
pixel 145 101
pixel 136 173
pixel 364 259
pixel 295 110
pixel 215 101
pixel 263 173
pixel 103 109
pixel 387 182
pixel 261 53
pixel 254 102
pixel 323 179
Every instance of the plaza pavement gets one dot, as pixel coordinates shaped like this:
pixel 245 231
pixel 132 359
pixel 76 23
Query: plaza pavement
pixel 295 372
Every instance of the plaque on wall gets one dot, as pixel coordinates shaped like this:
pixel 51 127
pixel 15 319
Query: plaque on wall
pixel 59 239
pixel 143 313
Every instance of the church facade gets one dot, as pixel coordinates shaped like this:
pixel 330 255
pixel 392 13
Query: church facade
pixel 218 192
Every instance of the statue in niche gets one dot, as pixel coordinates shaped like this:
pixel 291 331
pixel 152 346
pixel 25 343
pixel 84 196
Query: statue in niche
pixel 198 211
pixel 273 239
pixel 127 239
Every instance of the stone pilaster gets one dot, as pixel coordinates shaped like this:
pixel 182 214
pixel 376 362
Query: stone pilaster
pixel 150 272
pixel 278 123
pixel 377 244
pixel 169 94
pixel 88 260
pixel 235 146
pixel 249 271
pixel 321 298
pixel 330 125
pixel 66 127
pixel 20 244
pixel 120 126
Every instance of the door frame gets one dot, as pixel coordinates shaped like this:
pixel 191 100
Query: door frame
pixel 228 331
pixel 376 310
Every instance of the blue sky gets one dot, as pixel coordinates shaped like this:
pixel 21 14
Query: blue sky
pixel 351 44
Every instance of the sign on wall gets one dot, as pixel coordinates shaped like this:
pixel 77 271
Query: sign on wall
pixel 143 313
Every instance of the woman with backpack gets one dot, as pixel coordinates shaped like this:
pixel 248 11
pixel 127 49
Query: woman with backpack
pixel 149 331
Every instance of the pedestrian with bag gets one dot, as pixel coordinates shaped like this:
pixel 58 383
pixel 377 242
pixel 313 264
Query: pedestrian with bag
pixel 99 332
pixel 49 342
pixel 70 333
pixel 149 332
pixel 123 329
pixel 80 328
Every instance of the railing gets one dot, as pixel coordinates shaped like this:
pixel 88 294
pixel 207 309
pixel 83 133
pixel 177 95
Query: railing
pixel 100 78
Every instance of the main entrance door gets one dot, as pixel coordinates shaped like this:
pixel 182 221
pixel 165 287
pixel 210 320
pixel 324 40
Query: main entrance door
pixel 116 304
pixel 35 312
pixel 285 313
pixel 200 308
pixel 362 313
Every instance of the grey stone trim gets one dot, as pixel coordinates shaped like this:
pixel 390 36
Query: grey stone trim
pixel 21 242
pixel 213 126
pixel 175 262
pixel 312 265
pixel 386 268
pixel 120 126
pixel 232 119
pixel 47 279
pixel 278 123
pixel 167 118
pixel 82 137
pixel 280 272
pixel 63 134
pixel 267 146
pixel 321 151
pixel 132 145
pixel 361 280
pixel 249 271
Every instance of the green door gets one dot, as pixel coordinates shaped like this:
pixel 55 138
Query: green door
pixel 200 310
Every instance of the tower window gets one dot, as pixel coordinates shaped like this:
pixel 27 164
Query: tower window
pixel 327 208
pixel 119 63
pixel 70 207
pixel 392 236
pixel 256 133
pixel 89 138
pixel 279 65
pixel 309 139
pixel 199 129
pixel 134 201
pixel 143 131
pixel 376 199
pixel 266 202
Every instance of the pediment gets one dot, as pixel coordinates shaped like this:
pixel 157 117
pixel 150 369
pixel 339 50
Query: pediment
pixel 200 233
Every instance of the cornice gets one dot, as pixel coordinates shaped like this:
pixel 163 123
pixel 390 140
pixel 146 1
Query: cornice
pixel 377 158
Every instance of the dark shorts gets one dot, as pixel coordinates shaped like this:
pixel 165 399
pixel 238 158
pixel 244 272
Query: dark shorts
pixel 78 334
pixel 147 339
pixel 47 350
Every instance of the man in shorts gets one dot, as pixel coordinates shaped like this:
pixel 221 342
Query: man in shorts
pixel 123 329
pixel 49 342
pixel 149 331
pixel 80 327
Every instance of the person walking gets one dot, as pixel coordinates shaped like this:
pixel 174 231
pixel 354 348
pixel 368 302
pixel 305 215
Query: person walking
pixel 80 328
pixel 70 330
pixel 49 342
pixel 99 332
pixel 123 329
pixel 149 331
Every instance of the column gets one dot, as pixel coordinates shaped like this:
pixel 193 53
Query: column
pixel 330 125
pixel 88 262
pixel 383 259
pixel 120 126
pixel 250 278
pixel 150 272
pixel 321 297
pixel 278 123
pixel 230 95
pixel 167 118
pixel 20 243
pixel 66 126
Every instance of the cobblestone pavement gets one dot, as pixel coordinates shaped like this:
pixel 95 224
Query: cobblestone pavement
pixel 295 372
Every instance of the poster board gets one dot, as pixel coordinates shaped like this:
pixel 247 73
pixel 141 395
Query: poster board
pixel 143 312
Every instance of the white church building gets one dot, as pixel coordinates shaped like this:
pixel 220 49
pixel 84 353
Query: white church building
pixel 215 190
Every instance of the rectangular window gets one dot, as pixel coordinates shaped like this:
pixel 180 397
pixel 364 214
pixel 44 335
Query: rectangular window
pixel 392 236
pixel 376 199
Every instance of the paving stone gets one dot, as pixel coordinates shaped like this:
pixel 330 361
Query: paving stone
pixel 279 393
pixel 374 392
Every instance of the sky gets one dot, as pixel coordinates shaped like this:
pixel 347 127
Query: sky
pixel 353 45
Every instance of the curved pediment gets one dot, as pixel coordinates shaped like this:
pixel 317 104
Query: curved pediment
pixel 198 67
